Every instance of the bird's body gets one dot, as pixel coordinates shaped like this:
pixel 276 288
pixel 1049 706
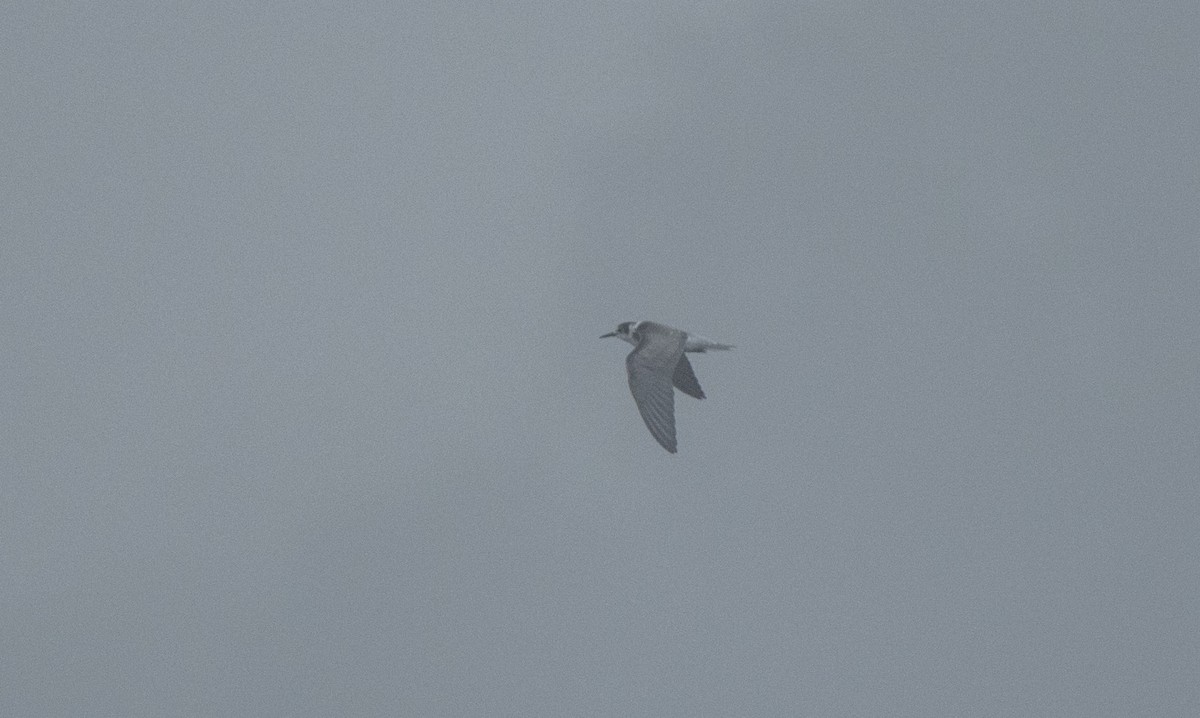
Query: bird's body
pixel 658 365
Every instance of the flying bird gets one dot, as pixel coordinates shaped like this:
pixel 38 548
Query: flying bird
pixel 658 362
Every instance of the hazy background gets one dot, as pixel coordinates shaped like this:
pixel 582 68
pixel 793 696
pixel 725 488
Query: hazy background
pixel 304 411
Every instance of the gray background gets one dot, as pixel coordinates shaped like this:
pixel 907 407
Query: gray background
pixel 305 414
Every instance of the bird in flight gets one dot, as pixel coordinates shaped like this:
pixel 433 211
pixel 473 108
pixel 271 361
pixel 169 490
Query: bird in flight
pixel 657 363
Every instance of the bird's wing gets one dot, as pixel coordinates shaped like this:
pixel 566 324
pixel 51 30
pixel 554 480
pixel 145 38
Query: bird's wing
pixel 685 379
pixel 651 366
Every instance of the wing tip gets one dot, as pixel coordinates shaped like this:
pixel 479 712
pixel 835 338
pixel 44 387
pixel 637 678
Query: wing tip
pixel 667 442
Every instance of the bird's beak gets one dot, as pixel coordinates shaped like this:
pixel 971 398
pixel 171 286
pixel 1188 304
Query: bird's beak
pixel 606 336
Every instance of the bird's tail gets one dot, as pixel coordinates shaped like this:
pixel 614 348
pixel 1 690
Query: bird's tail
pixel 704 344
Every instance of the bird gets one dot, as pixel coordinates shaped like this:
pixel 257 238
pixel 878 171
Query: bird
pixel 658 362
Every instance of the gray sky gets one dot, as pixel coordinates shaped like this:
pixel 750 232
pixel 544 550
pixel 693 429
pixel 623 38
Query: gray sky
pixel 305 414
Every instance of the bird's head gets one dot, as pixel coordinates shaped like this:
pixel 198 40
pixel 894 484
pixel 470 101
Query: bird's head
pixel 626 331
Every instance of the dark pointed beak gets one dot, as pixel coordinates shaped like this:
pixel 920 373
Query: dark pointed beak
pixel 606 336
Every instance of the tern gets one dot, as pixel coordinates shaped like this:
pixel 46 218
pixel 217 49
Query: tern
pixel 658 362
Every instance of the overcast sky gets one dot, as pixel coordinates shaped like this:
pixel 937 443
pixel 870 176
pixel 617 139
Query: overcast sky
pixel 304 410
